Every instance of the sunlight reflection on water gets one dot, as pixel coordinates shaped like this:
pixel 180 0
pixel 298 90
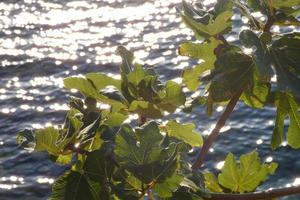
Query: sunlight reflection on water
pixel 53 39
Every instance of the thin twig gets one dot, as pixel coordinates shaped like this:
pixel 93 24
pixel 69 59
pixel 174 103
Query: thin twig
pixel 216 131
pixel 142 120
pixel 280 192
pixel 149 186
pixel 269 24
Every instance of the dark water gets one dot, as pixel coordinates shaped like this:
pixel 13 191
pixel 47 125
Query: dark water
pixel 43 41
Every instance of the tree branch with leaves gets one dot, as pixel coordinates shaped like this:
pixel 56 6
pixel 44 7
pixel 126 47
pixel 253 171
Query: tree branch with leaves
pixel 112 155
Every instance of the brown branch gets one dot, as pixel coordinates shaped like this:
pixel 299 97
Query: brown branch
pixel 280 192
pixel 216 131
pixel 269 24
pixel 142 120
pixel 146 190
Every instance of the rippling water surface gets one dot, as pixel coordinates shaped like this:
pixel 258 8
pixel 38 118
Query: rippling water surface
pixel 43 41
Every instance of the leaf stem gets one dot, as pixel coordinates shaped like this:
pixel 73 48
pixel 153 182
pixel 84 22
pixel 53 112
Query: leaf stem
pixel 142 120
pixel 269 24
pixel 216 131
pixel 274 193
pixel 146 190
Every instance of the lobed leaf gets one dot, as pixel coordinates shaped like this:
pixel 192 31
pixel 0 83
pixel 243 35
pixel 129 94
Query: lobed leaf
pixel 220 24
pixel 204 51
pixel 286 105
pixel 146 109
pixel 285 55
pixel 45 140
pixel 261 54
pixel 172 97
pixel 246 176
pixel 100 81
pixel 232 70
pixel 140 152
pixel 184 132
pixel 211 182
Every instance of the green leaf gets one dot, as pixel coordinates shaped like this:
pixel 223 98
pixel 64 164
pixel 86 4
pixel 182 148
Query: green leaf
pixel 172 97
pixel 87 88
pixel 284 4
pixel 211 182
pixel 114 94
pixel 166 188
pixel 263 6
pixel 146 109
pixel 127 59
pixel 64 159
pixel 198 101
pixel 219 25
pixel 256 95
pixel 281 113
pixel 115 119
pixel 88 180
pixel 189 184
pixel 286 60
pixel 95 143
pixel 246 176
pixel 100 81
pixel 89 131
pixel 72 115
pixel 75 186
pixel 97 166
pixel 286 18
pixel 232 70
pixel 261 54
pixel 222 6
pixel 127 189
pixel 191 77
pixel 25 139
pixel 137 75
pixel 286 105
pixel 45 140
pixel 82 84
pixel 76 104
pixel 184 132
pixel 140 152
pixel 137 148
pixel 293 134
pixel 203 51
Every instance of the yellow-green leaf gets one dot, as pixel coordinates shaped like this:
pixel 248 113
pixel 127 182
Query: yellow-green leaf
pixel 246 176
pixel 184 132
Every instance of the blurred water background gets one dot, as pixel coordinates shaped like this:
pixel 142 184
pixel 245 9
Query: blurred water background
pixel 43 41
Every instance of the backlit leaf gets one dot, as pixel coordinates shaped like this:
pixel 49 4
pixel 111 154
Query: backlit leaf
pixel 146 109
pixel 204 51
pixel 173 97
pixel 246 176
pixel 211 182
pixel 184 132
pixel 46 141
pixel 100 81
pixel 87 88
pixel 219 25
pixel 75 186
pixel 127 59
pixel 286 3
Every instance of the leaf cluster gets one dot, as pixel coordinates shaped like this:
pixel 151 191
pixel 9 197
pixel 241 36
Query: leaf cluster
pixel 264 65
pixel 109 156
